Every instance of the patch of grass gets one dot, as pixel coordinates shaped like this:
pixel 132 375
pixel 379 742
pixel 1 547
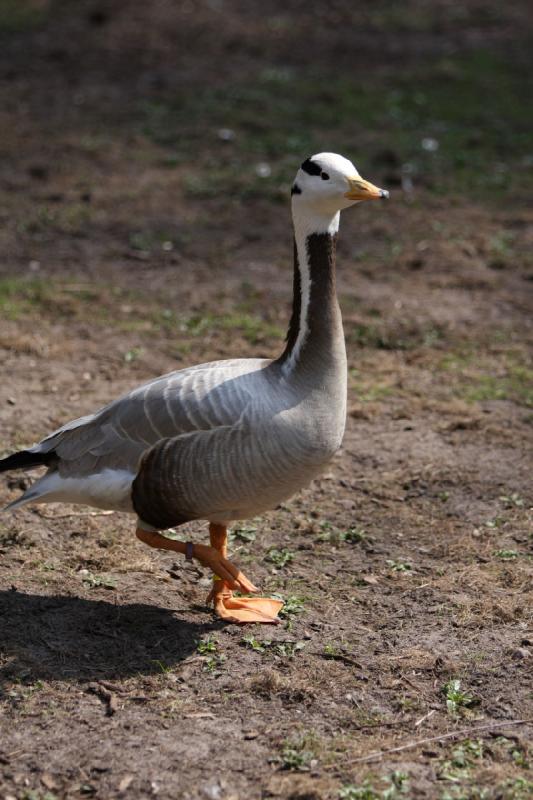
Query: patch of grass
pixel 392 336
pixel 397 786
pixel 165 669
pixel 480 376
pixel 464 756
pixel 283 650
pixel 19 296
pixel 517 789
pixel 22 15
pixel 253 328
pixel 459 125
pixel 514 751
pixel 298 753
pixel 516 385
pixel 10 537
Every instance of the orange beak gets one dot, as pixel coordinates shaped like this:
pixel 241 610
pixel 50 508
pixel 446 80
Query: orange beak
pixel 364 190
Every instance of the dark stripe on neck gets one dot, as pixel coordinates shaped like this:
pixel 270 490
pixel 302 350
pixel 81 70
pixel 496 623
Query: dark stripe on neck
pixel 322 303
pixel 321 248
pixel 294 324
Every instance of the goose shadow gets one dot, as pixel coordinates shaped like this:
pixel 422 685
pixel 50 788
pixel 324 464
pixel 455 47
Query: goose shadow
pixel 72 638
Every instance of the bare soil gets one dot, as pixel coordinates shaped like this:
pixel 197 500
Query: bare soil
pixel 408 566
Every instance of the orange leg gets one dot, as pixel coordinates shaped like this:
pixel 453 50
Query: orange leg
pixel 237 609
pixel 211 557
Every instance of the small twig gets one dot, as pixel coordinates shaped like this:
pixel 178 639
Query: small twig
pixel 426 716
pixel 453 735
pixel 76 514
pixel 200 715
pixel 416 588
pixel 344 659
pixel 386 724
pixel 412 684
pixel 107 697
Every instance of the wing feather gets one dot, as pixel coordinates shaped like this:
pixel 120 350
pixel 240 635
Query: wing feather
pixel 198 398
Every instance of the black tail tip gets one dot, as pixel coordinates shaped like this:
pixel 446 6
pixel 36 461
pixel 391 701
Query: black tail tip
pixel 24 459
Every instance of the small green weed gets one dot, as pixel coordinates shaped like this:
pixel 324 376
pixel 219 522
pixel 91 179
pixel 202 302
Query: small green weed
pixel 355 535
pixel 279 557
pixel 399 565
pixel 254 644
pixel 506 555
pixel 246 533
pixel 132 355
pixel 464 756
pixel 297 754
pixel 494 524
pixel 292 606
pixel 214 660
pixel 288 649
pixel 208 645
pixel 214 664
pixel 363 792
pixel 456 698
pixel 517 789
pixel 94 581
pixel 512 500
pixel 466 793
pixel 165 669
pixel 517 755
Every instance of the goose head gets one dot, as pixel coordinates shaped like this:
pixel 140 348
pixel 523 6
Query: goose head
pixel 326 183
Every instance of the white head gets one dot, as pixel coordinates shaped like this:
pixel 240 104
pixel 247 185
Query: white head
pixel 324 185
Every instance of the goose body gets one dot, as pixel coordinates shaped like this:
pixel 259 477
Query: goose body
pixel 230 439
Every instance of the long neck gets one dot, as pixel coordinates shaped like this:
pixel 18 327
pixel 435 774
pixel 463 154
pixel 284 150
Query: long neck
pixel 315 330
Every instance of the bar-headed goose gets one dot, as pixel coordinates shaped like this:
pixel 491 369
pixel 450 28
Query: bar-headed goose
pixel 226 440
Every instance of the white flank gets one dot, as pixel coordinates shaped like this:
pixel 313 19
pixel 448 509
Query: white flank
pixel 109 489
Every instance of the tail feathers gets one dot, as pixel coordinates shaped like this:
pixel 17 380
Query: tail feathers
pixel 27 497
pixel 26 458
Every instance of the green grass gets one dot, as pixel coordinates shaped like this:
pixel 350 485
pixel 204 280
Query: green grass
pixel 252 327
pixel 21 15
pixel 482 376
pixel 396 786
pixel 471 108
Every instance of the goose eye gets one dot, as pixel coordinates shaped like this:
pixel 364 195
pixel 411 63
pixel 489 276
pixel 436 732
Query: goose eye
pixel 324 176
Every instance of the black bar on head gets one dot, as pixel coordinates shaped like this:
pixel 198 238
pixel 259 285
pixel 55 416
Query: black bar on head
pixel 311 167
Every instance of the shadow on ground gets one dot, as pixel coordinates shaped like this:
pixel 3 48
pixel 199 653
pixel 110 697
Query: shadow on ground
pixel 74 638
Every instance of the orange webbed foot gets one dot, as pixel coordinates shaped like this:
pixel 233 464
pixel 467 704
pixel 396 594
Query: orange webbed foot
pixel 242 610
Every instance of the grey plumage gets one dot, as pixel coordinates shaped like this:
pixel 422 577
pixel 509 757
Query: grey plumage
pixel 228 439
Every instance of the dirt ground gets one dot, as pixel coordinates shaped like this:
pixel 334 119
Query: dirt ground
pixel 147 150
